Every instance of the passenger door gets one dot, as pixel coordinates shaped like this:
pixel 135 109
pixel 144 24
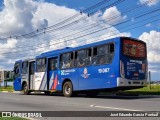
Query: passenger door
pixel 40 74
pixel 25 72
pixel 31 75
pixel 52 73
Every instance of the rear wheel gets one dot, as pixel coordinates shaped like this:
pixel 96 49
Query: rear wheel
pixel 25 89
pixel 47 92
pixel 68 89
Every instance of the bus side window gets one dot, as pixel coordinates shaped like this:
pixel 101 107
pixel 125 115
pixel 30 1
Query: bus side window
pixel 66 60
pixel 94 58
pixel 112 48
pixel 17 70
pixel 52 63
pixel 41 65
pixel 88 57
pixel 24 67
pixel 75 61
pixel 111 52
pixel 81 58
pixel 32 68
pixel 72 60
pixel 100 54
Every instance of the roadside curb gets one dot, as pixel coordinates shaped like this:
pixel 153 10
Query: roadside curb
pixel 5 91
pixel 10 91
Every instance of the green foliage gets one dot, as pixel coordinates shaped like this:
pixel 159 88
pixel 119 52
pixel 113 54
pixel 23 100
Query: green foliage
pixel 9 88
pixel 148 90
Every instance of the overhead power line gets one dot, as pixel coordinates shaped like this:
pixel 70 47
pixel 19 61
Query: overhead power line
pixel 142 21
pixel 86 35
pixel 69 24
pixel 61 22
pixel 96 25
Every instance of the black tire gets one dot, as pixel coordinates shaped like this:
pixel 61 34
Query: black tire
pixel 68 89
pixel 47 92
pixel 92 93
pixel 25 89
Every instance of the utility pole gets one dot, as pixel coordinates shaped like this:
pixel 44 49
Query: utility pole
pixel 149 78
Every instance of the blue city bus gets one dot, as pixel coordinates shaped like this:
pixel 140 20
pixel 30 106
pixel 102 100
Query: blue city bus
pixel 114 64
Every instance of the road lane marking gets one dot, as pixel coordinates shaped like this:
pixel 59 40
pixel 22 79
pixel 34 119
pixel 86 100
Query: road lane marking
pixel 114 108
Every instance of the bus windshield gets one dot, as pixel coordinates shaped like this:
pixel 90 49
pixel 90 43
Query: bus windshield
pixel 17 70
pixel 133 48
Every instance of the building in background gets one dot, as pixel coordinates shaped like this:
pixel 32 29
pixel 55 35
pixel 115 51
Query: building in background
pixel 6 76
pixel 1 77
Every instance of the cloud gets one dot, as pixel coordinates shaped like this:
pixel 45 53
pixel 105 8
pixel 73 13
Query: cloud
pixel 113 15
pixel 7 46
pixel 148 25
pixel 152 40
pixel 113 32
pixel 153 49
pixel 51 13
pixel 15 17
pixel 154 68
pixel 22 16
pixel 149 2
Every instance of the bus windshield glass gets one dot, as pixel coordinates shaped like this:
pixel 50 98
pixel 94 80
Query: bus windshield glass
pixel 133 48
pixel 17 69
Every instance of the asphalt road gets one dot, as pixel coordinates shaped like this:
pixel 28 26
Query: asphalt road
pixel 19 102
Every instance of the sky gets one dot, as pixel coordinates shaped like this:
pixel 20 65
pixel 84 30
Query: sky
pixel 132 18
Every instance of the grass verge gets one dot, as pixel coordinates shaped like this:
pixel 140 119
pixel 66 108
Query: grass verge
pixel 9 89
pixel 148 90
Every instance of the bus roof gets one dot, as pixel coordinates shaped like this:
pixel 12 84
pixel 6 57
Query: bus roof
pixel 69 49
pixel 17 61
pixel 25 60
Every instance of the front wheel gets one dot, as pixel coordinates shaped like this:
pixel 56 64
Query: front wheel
pixel 25 89
pixel 67 89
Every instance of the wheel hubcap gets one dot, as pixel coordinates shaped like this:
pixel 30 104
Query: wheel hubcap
pixel 67 89
pixel 25 89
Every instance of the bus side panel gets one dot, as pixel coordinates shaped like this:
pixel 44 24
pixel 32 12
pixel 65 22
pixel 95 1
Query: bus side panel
pixel 100 76
pixel 40 80
pixel 93 77
pixel 115 65
pixel 25 78
pixel 32 84
pixel 70 74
